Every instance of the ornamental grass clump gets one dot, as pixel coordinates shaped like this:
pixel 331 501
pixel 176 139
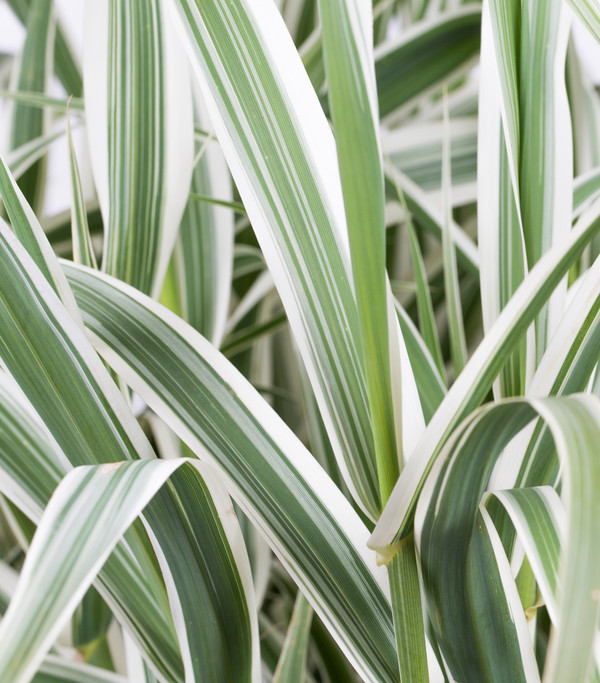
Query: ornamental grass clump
pixel 302 384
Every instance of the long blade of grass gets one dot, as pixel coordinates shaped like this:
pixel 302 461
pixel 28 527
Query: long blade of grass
pixel 291 666
pixel 458 344
pixel 203 253
pixel 408 613
pixel 304 517
pixel 589 13
pixel 536 514
pixel 65 64
pixel 83 250
pixel 282 156
pixel 546 152
pixel 35 67
pixel 427 322
pixel 500 232
pixel 348 54
pixel 140 128
pixel 424 56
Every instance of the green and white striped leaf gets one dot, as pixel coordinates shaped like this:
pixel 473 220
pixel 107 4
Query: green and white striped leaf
pixel 33 238
pixel 83 250
pixel 529 56
pixel 546 152
pixel 501 45
pixel 537 515
pixel 447 514
pixel 33 73
pixel 65 64
pixel 500 230
pixel 203 253
pixel 55 669
pixel 589 13
pixel 291 666
pixel 425 56
pixel 282 156
pixel 409 619
pixel 304 517
pixel 348 55
pixel 88 513
pixel 140 132
pixel 477 378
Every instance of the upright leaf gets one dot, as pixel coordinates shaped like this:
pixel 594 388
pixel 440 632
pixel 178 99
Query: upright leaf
pixel 348 54
pixel 139 116
pixel 203 253
pixel 34 69
pixel 282 155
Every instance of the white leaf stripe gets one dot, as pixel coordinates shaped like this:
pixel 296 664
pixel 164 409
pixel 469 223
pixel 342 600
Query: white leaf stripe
pixel 281 487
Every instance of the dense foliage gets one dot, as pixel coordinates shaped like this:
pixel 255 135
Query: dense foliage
pixel 303 386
